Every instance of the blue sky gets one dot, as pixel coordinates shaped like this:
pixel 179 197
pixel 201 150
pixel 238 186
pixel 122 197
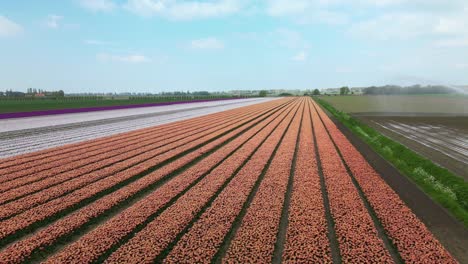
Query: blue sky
pixel 174 45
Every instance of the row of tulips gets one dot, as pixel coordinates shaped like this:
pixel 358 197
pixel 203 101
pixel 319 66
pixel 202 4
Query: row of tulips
pixel 96 153
pixel 91 247
pixel 413 240
pixel 22 249
pixel 109 155
pixel 131 163
pixel 32 159
pixel 211 229
pixel 55 206
pixel 65 182
pixel 255 239
pixel 306 236
pixel 355 230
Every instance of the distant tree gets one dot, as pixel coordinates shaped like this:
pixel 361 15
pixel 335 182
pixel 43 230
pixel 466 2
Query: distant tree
pixel 316 92
pixel 202 93
pixel 262 93
pixel 415 89
pixel 285 94
pixel 344 90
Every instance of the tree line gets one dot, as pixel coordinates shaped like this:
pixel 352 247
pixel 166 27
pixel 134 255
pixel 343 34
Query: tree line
pixel 415 89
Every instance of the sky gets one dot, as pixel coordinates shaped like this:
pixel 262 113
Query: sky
pixel 220 45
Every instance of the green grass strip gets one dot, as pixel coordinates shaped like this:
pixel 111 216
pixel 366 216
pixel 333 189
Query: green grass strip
pixel 12 105
pixel 444 187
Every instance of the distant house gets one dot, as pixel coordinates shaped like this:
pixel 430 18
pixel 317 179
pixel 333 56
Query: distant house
pixel 39 95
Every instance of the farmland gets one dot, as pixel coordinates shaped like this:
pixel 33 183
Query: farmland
pixel 433 125
pixel 28 134
pixel 270 182
pixel 22 104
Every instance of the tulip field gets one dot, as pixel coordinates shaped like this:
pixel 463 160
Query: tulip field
pixel 265 183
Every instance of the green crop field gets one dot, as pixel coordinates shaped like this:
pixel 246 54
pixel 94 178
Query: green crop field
pixel 27 105
pixel 431 104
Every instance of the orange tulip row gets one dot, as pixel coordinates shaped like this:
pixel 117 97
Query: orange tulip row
pixel 306 237
pixel 91 246
pixel 64 183
pixel 356 234
pixel 29 160
pixel 22 249
pixel 226 206
pixel 53 207
pixel 413 240
pixel 215 223
pixel 255 239
pixel 16 176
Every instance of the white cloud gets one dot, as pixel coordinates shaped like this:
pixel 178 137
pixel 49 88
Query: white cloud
pixel 406 25
pixel 183 10
pixel 287 7
pixel 98 5
pixel 307 11
pixel 461 66
pixel 452 42
pixel 9 28
pixel 53 21
pixel 131 58
pixel 301 56
pixel 396 25
pixel 207 43
pixel 96 42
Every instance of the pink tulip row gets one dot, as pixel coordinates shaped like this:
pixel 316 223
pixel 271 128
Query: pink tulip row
pixel 28 160
pixel 111 154
pixel 356 234
pixel 212 227
pixel 91 245
pixel 306 237
pixel 16 175
pixel 32 159
pixel 78 153
pixel 221 208
pixel 85 175
pixel 413 240
pixel 255 239
pixel 52 207
pixel 23 248
pixel 61 184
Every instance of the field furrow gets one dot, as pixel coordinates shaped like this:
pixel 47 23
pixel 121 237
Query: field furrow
pixel 76 220
pixel 413 241
pixel 109 155
pixel 48 209
pixel 356 234
pixel 158 234
pixel 88 174
pixel 256 236
pixel 55 152
pixel 275 182
pixel 212 227
pixel 306 237
pixel 77 159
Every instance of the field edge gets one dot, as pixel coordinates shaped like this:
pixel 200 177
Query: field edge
pixel 447 222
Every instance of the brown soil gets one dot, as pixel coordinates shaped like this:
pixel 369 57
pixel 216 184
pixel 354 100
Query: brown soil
pixel 450 232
